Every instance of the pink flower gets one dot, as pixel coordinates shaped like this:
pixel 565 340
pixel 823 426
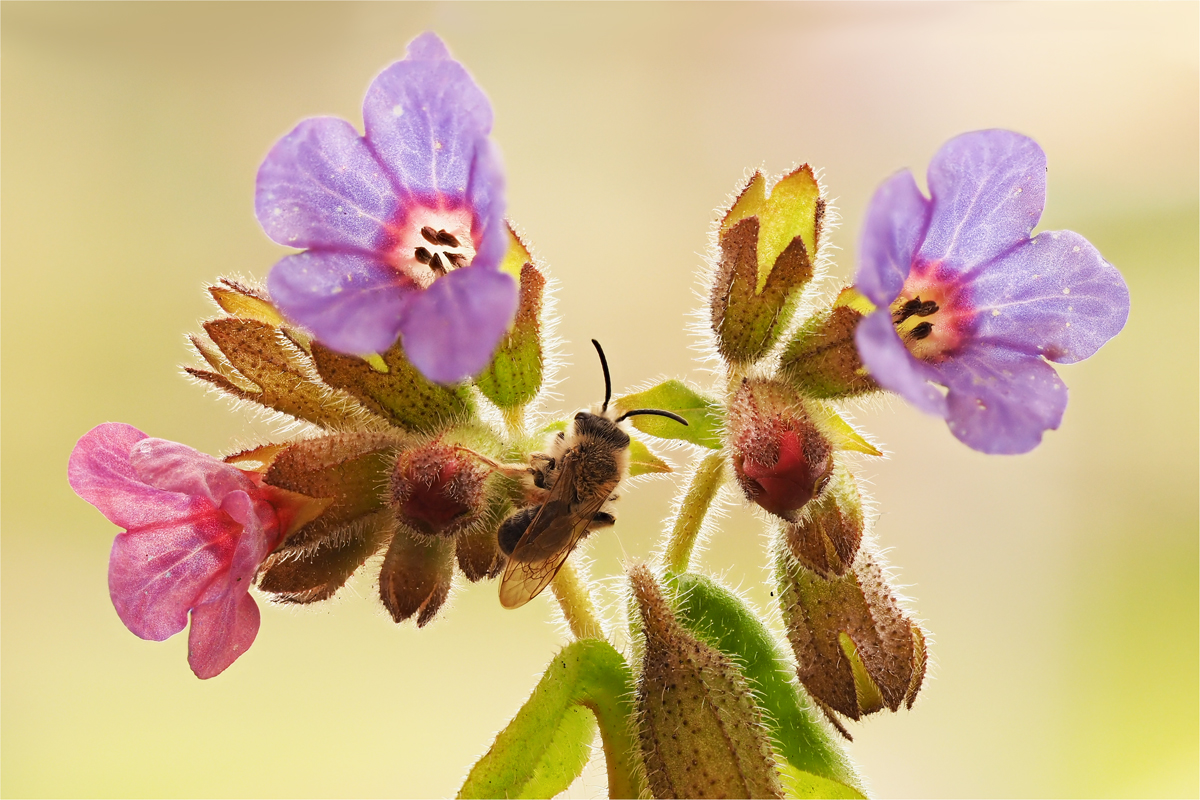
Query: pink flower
pixel 196 531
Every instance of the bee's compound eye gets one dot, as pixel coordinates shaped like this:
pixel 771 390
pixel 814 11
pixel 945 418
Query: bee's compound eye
pixel 582 415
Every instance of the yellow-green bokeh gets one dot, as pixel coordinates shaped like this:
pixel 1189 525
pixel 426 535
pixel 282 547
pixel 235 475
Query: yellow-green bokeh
pixel 1060 586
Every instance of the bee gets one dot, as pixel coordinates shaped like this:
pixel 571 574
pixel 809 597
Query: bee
pixel 579 476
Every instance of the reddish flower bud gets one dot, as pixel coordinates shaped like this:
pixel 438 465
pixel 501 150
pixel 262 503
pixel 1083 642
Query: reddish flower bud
pixel 437 489
pixel 782 460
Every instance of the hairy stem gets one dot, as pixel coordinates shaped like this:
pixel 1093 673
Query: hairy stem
pixel 576 603
pixel 706 482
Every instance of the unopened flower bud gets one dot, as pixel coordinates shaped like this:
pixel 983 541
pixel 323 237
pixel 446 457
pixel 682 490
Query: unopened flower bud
pixel 857 652
pixel 781 458
pixel 822 358
pixel 702 733
pixel 416 575
pixel 438 489
pixel 826 536
pixel 768 247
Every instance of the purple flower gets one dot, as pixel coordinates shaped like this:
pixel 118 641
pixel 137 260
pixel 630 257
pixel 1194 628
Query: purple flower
pixel 968 300
pixel 197 530
pixel 403 228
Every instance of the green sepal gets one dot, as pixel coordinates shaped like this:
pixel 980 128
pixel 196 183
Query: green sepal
pixel 245 302
pixel 402 395
pixel 818 765
pixel 794 208
pixel 749 319
pixel 348 469
pixel 822 360
pixel 705 416
pixel 768 249
pixel 703 732
pixel 545 747
pixel 514 376
pixel 258 362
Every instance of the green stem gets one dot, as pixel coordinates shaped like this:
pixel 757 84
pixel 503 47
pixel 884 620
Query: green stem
pixel 576 603
pixel 706 481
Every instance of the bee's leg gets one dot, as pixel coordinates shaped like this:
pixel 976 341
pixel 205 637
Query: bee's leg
pixel 511 470
pixel 513 528
pixel 540 466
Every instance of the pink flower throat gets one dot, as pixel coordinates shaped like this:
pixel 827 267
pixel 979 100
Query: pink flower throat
pixel 932 313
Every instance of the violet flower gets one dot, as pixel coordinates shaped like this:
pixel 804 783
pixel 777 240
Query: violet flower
pixel 403 228
pixel 967 300
pixel 197 530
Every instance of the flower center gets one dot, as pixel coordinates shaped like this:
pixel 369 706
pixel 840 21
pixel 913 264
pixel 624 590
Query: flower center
pixel 931 314
pixel 433 242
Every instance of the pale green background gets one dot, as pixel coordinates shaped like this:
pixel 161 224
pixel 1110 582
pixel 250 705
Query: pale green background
pixel 1060 586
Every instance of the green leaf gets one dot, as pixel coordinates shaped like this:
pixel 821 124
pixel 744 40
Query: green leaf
pixel 717 615
pixel 545 747
pixel 704 415
pixel 642 460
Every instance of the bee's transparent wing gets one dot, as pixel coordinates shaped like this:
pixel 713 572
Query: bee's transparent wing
pixel 550 537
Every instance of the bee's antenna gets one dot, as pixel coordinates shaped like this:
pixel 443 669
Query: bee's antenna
pixel 607 380
pixel 653 412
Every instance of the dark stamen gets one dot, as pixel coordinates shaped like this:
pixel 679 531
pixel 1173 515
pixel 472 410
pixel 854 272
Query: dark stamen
pixel 430 235
pixel 921 331
pixel 423 255
pixel 914 308
pixel 907 310
pixel 446 239
pixel 456 259
pixel 439 268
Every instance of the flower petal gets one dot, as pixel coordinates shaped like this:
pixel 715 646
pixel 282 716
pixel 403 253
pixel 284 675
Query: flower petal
pixel 1054 296
pixel 895 223
pixel 321 186
pixel 350 302
pixel 221 632
pixel 1001 401
pixel 174 467
pixel 893 367
pixel 156 574
pixel 99 471
pixel 486 195
pixel 988 188
pixel 425 119
pixel 452 328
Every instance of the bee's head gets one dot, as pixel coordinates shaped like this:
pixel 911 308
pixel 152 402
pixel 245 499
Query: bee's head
pixel 611 417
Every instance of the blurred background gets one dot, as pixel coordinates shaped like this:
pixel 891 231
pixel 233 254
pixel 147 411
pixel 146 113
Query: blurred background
pixel 1060 586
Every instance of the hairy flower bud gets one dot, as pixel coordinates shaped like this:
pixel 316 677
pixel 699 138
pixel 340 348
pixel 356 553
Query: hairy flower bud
pixel 822 358
pixel 856 651
pixel 437 489
pixel 826 536
pixel 416 575
pixel 768 245
pixel 702 732
pixel 345 470
pixel 781 458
